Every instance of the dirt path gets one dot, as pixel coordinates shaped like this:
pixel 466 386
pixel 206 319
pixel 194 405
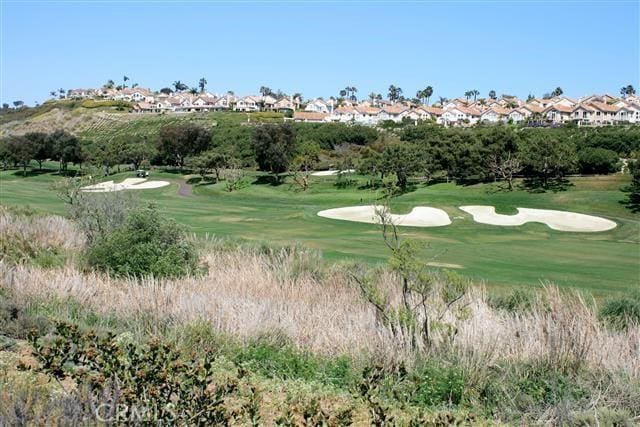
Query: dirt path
pixel 185 189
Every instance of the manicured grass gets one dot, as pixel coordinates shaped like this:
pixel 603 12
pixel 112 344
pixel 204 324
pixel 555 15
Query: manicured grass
pixel 529 255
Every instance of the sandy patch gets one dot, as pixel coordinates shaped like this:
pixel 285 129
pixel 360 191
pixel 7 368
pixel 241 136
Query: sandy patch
pixel 332 172
pixel 127 184
pixel 444 265
pixel 556 220
pixel 420 216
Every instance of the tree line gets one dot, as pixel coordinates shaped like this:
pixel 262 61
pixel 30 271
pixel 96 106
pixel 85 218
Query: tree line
pixel 425 152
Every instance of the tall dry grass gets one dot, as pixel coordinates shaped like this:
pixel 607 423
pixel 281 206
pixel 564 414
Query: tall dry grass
pixel 247 293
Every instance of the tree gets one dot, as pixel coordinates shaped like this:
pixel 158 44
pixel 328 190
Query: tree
pixel 209 161
pixel 597 160
pixel 633 200
pixel 394 93
pixel 166 91
pixel 275 147
pixel 61 91
pixel 492 94
pixel 304 163
pixel 442 100
pixel 21 151
pixel 505 166
pixel 428 91
pixel 193 90
pixel 548 157
pixel 53 94
pixel 135 85
pixel 557 92
pixel 136 150
pixel 343 93
pixel 628 90
pixel 124 82
pixel 468 95
pixel 18 104
pixel 109 84
pixel 65 147
pixel 177 142
pixel 264 91
pixel 402 160
pixel 42 145
pixel 530 97
pixel 202 84
pixel 426 299
pixel 5 106
pixel 475 94
pixel 179 86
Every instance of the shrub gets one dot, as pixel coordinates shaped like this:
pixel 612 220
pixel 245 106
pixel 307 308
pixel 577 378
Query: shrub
pixel 518 300
pixel 597 160
pixel 147 244
pixel 620 312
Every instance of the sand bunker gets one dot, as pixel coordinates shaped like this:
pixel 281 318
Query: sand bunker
pixel 332 172
pixel 557 220
pixel 127 184
pixel 418 217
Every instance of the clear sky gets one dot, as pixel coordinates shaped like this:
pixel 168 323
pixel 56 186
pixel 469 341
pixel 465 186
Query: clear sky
pixel 319 47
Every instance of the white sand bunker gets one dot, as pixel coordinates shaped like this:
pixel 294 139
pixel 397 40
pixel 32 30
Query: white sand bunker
pixel 557 220
pixel 332 172
pixel 418 217
pixel 127 184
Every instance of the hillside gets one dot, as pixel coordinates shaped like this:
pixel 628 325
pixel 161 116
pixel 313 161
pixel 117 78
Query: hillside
pixel 100 123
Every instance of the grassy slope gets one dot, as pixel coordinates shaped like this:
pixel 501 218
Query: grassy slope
pixel 527 255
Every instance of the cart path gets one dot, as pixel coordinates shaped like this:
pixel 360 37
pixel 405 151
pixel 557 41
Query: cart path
pixel 185 189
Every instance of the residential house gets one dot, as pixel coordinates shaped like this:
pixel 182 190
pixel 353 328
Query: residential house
pixel 494 114
pixel 310 116
pixel 319 105
pixel 557 113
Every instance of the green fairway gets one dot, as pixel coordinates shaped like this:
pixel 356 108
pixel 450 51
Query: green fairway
pixel 531 255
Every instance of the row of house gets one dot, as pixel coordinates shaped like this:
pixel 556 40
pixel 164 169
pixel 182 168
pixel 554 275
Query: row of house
pixel 594 110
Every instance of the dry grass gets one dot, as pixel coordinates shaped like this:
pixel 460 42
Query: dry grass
pixel 244 295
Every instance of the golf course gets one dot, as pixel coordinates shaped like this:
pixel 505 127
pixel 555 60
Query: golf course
pixel 528 255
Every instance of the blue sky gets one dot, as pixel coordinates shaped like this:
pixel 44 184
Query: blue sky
pixel 317 48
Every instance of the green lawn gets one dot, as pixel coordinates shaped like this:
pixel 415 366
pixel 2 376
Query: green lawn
pixel 529 255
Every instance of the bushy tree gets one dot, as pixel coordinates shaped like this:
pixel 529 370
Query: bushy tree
pixel 21 151
pixel 66 148
pixel 44 149
pixel 597 160
pixel 274 147
pixel 403 160
pixel 147 244
pixel 177 142
pixel 546 157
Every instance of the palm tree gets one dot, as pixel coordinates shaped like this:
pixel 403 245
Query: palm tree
pixel 124 82
pixel 428 91
pixel 135 85
pixel 530 97
pixel 475 94
pixel 394 93
pixel 372 97
pixel 442 100
pixel 354 90
pixel 492 94
pixel 61 92
pixel 468 94
pixel 53 93
pixel 193 90
pixel 202 83
pixel 557 92
pixel 343 93
pixel 109 84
